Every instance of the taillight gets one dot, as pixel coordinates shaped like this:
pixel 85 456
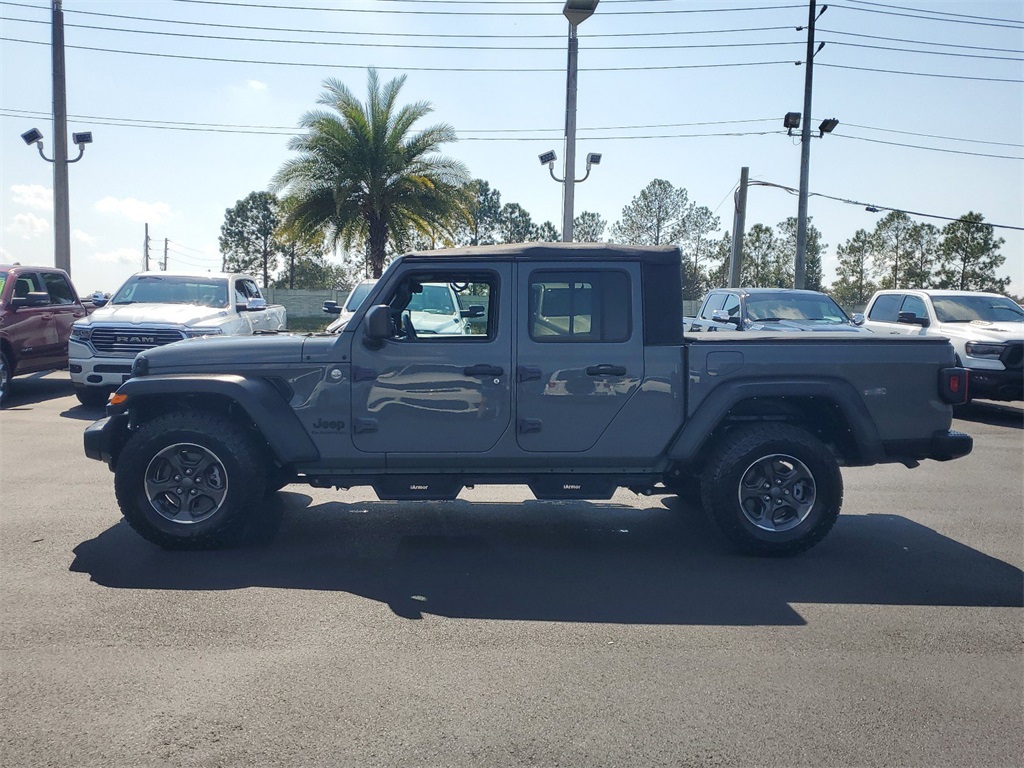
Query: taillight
pixel 953 385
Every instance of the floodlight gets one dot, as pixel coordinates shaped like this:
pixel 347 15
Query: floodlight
pixel 32 136
pixel 548 158
pixel 594 158
pixel 791 120
pixel 85 137
pixel 829 125
pixel 578 11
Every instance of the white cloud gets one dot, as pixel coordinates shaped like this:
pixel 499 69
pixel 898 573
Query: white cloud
pixel 83 237
pixel 135 210
pixel 27 226
pixel 33 196
pixel 256 85
pixel 121 256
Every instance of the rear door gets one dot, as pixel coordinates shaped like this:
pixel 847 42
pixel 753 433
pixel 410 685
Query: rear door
pixel 580 352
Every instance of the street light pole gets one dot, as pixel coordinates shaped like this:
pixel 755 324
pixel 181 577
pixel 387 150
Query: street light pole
pixel 61 206
pixel 799 267
pixel 569 173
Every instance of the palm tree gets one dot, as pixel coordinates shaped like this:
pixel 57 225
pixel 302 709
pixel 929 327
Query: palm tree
pixel 362 177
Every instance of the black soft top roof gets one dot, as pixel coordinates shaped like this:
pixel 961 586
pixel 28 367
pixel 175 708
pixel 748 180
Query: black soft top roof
pixel 651 254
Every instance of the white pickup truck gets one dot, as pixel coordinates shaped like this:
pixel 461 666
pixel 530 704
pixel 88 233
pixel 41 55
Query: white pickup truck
pixel 986 330
pixel 152 309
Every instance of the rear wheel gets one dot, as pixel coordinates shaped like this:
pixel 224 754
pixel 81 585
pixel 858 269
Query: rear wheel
pixel 189 480
pixel 772 489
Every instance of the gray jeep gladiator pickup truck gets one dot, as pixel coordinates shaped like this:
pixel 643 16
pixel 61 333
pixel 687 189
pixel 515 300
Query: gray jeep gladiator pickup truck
pixel 577 381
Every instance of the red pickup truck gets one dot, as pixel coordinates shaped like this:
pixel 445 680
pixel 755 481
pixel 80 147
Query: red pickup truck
pixel 37 307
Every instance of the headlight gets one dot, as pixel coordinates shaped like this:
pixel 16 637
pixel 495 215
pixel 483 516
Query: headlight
pixel 193 333
pixel 978 349
pixel 81 332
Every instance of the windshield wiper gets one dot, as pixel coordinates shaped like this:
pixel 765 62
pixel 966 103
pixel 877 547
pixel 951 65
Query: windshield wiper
pixel 131 301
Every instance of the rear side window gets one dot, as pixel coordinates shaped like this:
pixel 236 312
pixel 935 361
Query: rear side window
pixel 886 308
pixel 58 288
pixel 580 306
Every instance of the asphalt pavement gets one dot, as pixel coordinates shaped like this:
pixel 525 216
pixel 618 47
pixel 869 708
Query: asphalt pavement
pixel 497 630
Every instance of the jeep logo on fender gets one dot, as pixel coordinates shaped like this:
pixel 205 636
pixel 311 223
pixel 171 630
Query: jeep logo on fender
pixel 326 424
pixel 135 339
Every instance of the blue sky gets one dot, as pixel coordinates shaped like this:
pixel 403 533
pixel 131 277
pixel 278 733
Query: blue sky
pixel 186 121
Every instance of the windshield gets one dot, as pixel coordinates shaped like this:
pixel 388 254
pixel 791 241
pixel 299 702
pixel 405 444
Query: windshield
pixel 435 299
pixel 170 289
pixel 967 308
pixel 782 306
pixel 355 298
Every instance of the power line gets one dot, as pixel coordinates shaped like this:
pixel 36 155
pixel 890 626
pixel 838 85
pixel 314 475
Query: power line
pixel 911 50
pixel 933 11
pixel 473 13
pixel 322 65
pixel 933 149
pixel 920 74
pixel 920 42
pixel 931 135
pixel 875 206
pixel 1010 25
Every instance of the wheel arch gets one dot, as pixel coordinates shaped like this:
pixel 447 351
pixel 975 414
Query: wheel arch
pixel 254 401
pixel 828 408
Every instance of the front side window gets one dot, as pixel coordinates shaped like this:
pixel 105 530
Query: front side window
pixel 732 305
pixel 916 305
pixel 886 308
pixel 714 302
pixel 444 306
pixel 580 306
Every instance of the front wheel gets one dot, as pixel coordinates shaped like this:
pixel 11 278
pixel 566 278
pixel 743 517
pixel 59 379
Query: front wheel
pixel 5 377
pixel 188 480
pixel 772 489
pixel 92 397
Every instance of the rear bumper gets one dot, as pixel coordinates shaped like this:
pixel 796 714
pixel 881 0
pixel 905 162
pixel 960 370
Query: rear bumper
pixel 103 439
pixel 943 445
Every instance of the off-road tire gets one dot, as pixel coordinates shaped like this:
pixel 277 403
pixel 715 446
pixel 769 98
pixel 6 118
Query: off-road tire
pixel 225 457
pixel 779 465
pixel 92 397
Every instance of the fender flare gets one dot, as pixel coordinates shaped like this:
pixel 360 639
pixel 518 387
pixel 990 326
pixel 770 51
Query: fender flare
pixel 260 400
pixel 696 432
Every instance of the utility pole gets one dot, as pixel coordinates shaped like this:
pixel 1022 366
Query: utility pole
pixel 145 251
pixel 739 222
pixel 61 209
pixel 570 137
pixel 805 150
pixel 165 254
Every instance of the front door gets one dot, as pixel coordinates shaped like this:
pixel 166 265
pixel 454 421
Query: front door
pixel 580 353
pixel 442 383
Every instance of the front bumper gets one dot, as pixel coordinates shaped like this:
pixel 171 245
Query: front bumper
pixel 89 370
pixel 104 439
pixel 996 385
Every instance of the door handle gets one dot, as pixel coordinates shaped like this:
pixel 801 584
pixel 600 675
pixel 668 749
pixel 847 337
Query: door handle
pixel 606 370
pixel 483 370
pixel 528 374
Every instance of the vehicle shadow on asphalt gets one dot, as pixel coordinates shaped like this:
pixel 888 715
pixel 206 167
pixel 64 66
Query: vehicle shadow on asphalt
pixel 36 388
pixel 546 561
pixel 996 414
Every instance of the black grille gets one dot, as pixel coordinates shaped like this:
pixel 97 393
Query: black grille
pixel 1013 356
pixel 132 340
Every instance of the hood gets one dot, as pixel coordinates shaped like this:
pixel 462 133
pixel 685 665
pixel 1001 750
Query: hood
pixel 171 314
pixel 428 322
pixel 983 330
pixel 804 325
pixel 224 353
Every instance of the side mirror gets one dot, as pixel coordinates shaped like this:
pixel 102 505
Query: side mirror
pixel 32 299
pixel 910 318
pixel 332 308
pixel 474 311
pixel 857 318
pixel 377 326
pixel 722 316
pixel 253 305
